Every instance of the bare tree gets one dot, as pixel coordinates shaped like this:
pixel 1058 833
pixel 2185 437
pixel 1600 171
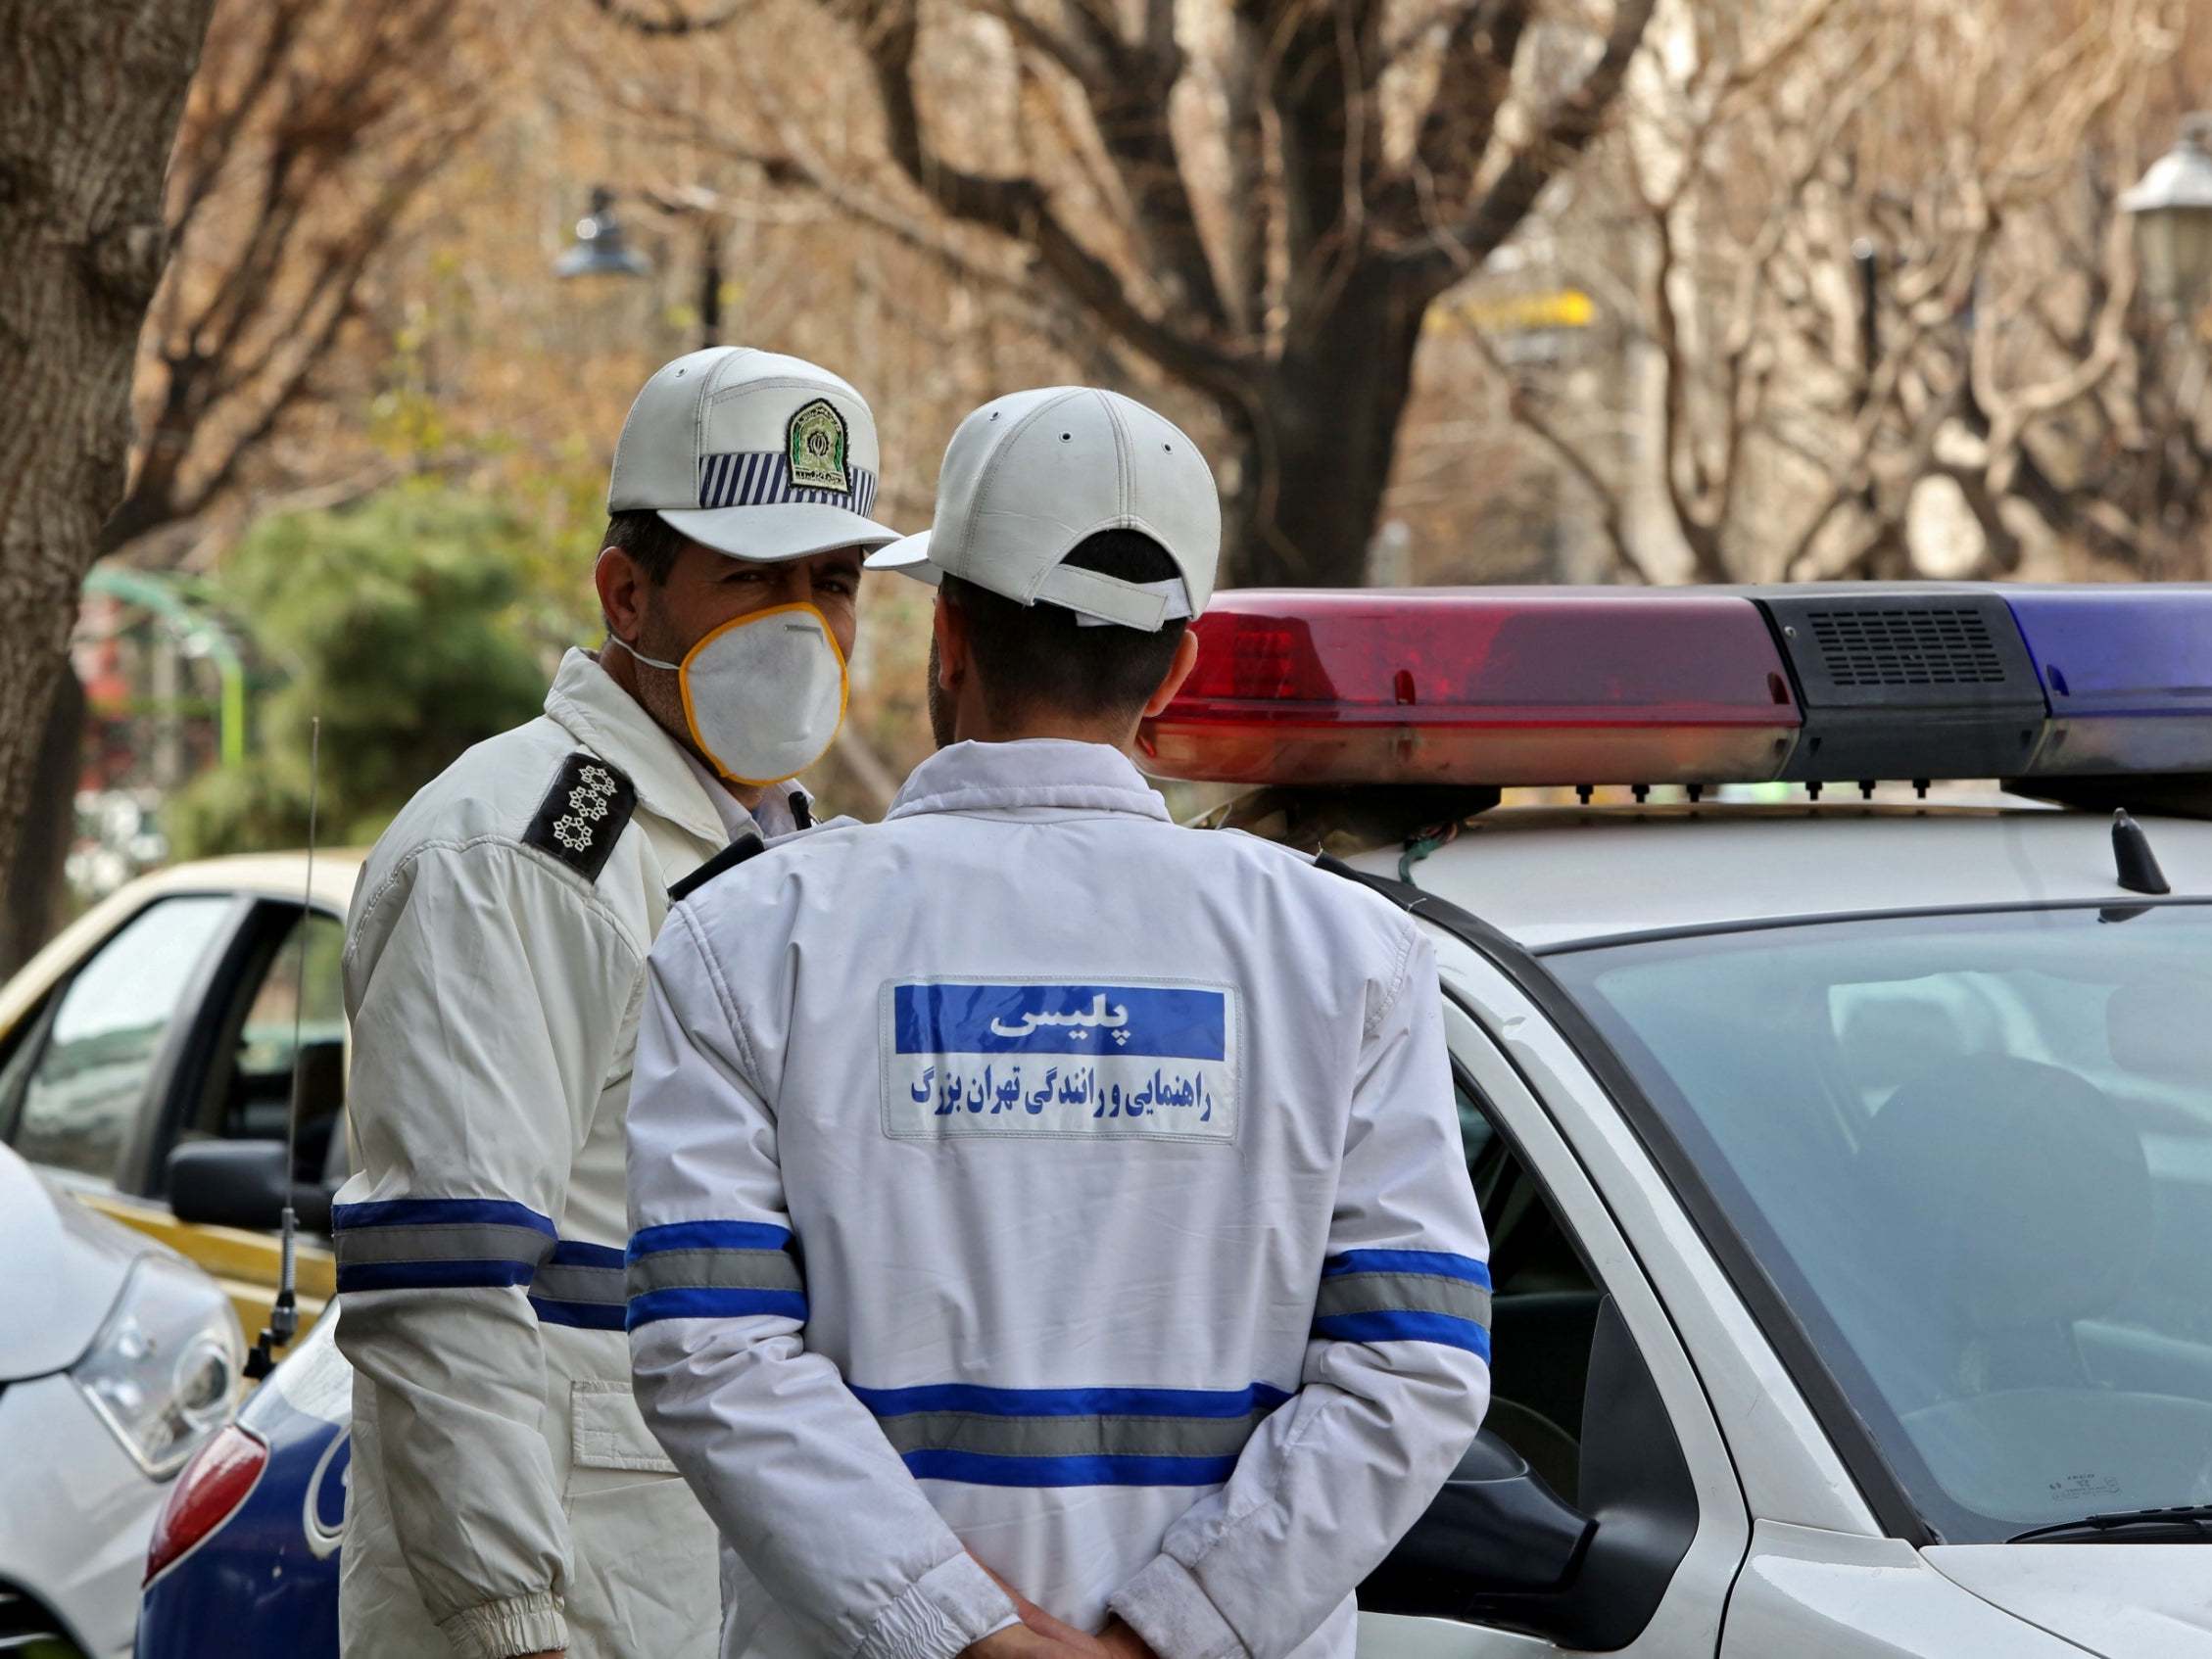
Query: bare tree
pixel 314 127
pixel 311 129
pixel 1889 308
pixel 95 91
pixel 1258 200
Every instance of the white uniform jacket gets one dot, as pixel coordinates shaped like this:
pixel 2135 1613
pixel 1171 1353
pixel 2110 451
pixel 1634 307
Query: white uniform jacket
pixel 1028 1178
pixel 504 1491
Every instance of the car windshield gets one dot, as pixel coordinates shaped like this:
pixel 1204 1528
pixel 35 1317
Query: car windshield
pixel 1974 1152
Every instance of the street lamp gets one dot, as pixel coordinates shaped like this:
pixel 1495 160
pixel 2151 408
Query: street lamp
pixel 2172 209
pixel 601 248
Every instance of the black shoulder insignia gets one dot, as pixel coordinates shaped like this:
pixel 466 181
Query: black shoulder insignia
pixel 583 814
pixel 728 858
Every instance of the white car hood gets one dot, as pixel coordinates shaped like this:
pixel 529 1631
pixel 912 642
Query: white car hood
pixel 64 1268
pixel 2120 1601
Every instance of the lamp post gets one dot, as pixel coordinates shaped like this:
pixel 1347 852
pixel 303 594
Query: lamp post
pixel 2173 213
pixel 601 250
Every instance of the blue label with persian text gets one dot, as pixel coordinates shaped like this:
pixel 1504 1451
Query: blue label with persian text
pixel 1059 1058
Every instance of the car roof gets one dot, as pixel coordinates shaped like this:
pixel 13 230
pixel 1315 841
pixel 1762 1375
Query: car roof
pixel 1548 876
pixel 278 875
pixel 275 875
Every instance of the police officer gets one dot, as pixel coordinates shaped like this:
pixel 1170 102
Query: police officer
pixel 506 1499
pixel 1029 1195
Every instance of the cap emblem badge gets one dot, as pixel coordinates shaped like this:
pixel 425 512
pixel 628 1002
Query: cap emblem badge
pixel 815 444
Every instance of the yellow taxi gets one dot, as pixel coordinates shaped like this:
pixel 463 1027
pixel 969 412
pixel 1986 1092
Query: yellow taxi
pixel 149 1054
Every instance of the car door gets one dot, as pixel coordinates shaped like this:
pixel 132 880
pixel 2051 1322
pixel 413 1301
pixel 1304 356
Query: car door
pixel 271 1021
pixel 176 1027
pixel 1573 1316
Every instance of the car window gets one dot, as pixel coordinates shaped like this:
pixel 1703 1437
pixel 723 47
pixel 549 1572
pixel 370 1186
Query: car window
pixel 1544 1305
pixel 1975 1154
pixel 84 1080
pixel 284 1014
pixel 1476 1134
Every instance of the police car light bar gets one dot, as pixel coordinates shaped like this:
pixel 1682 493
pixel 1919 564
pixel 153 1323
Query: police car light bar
pixel 2128 673
pixel 1496 686
pixel 1818 683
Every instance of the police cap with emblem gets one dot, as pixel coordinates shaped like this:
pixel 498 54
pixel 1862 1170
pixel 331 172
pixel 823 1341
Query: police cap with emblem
pixel 761 457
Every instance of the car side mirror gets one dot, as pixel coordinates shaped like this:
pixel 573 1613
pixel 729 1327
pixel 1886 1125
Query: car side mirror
pixel 1495 1529
pixel 1498 1547
pixel 242 1184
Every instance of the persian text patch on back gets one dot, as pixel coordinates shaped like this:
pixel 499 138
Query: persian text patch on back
pixel 1016 1058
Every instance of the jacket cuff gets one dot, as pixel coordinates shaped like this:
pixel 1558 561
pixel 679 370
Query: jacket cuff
pixel 500 1629
pixel 1166 1606
pixel 948 1609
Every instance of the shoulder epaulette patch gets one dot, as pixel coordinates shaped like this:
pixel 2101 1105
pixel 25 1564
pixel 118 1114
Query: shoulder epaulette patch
pixel 728 858
pixel 583 814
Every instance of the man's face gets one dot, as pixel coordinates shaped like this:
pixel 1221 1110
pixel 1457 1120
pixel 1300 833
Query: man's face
pixel 706 590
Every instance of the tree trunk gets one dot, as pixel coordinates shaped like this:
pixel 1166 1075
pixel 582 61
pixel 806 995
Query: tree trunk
pixel 35 886
pixel 95 88
pixel 1316 451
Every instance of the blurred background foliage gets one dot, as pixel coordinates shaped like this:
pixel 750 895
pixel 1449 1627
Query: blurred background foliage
pixel 413 623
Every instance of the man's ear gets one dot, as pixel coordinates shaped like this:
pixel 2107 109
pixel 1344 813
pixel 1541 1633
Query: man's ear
pixel 1186 659
pixel 621 589
pixel 950 627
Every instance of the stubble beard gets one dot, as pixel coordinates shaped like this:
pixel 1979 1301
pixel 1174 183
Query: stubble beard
pixel 941 705
pixel 659 690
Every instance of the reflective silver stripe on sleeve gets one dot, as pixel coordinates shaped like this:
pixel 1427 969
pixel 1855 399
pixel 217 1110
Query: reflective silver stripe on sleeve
pixel 1068 1437
pixel 563 1282
pixel 715 1269
pixel 440 1241
pixel 1403 1293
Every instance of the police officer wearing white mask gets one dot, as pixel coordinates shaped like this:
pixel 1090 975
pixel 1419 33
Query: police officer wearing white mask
pixel 1050 1232
pixel 506 1499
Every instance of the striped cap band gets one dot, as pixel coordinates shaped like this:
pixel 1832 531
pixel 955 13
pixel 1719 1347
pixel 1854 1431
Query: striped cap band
pixel 763 478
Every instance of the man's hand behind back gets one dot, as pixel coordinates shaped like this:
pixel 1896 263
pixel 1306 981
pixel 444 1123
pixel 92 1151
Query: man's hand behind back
pixel 1041 1635
pixel 1024 1641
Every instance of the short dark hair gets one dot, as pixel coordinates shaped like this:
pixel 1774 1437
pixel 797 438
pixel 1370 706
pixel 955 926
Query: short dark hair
pixel 1036 658
pixel 650 541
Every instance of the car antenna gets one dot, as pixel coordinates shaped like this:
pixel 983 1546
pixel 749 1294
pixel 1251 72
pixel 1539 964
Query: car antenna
pixel 284 1312
pixel 2138 870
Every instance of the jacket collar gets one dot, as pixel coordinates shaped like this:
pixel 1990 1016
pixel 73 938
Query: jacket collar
pixel 605 719
pixel 1035 772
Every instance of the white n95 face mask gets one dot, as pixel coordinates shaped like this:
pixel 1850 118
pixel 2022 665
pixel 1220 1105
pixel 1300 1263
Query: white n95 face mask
pixel 763 695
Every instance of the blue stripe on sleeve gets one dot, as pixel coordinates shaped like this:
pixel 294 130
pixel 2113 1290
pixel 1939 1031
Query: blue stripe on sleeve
pixel 708 1235
pixel 1071 1402
pixel 1434 1262
pixel 699 1302
pixel 1406 1326
pixel 983 1470
pixel 573 1253
pixel 433 1275
pixel 438 1212
pixel 584 1315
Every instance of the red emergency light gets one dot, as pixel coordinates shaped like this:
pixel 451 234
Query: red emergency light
pixel 1491 686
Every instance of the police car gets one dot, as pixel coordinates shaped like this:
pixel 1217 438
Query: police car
pixel 1845 1141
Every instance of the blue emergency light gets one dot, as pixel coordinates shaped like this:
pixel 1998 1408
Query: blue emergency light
pixel 1819 682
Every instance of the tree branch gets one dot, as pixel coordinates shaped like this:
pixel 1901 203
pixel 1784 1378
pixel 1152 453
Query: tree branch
pixel 1018 207
pixel 1452 251
pixel 1472 83
pixel 1521 409
pixel 673 19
